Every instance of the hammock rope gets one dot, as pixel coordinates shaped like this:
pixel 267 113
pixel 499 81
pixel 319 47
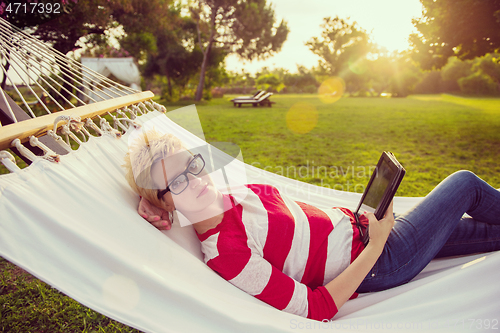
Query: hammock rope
pixel 13 50
pixel 60 81
pixel 7 159
pixel 33 62
pixel 71 127
pixel 24 151
pixel 80 72
pixel 49 154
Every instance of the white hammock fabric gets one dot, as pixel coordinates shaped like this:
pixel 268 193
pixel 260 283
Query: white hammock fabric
pixel 74 225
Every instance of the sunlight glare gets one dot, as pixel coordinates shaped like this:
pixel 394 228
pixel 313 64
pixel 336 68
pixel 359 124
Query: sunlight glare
pixel 473 262
pixel 357 66
pixel 331 90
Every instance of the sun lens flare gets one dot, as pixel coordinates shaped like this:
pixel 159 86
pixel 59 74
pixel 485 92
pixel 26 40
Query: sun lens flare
pixel 358 66
pixel 302 118
pixel 331 90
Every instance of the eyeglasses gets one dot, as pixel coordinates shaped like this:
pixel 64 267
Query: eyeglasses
pixel 181 182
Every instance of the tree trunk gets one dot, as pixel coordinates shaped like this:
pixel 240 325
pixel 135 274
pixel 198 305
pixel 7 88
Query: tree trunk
pixel 201 83
pixel 6 66
pixel 169 82
pixel 4 80
pixel 206 54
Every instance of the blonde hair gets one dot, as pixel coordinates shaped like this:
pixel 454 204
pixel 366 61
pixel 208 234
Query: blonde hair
pixel 148 148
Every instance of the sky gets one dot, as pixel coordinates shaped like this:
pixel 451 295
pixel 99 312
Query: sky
pixel 387 21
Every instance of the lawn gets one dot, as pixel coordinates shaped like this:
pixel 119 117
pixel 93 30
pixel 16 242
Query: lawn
pixel 432 136
pixel 301 137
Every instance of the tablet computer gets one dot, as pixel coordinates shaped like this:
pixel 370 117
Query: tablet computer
pixel 381 188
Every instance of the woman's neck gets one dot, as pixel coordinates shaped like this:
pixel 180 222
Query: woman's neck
pixel 208 218
pixel 203 226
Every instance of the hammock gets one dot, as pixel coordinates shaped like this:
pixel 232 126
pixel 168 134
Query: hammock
pixel 73 224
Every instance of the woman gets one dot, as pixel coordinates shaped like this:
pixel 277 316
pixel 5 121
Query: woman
pixel 299 258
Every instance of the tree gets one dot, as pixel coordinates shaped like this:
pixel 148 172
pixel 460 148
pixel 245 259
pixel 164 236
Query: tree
pixel 92 18
pixel 176 58
pixel 269 82
pixel 489 65
pixel 62 30
pixel 381 71
pixel 406 74
pixel 343 47
pixel 341 43
pixel 478 84
pixel 480 76
pixel 241 80
pixel 456 69
pixel 23 13
pixel 172 60
pixel 245 27
pixel 462 28
pixel 302 82
pixel 84 18
pixel 145 23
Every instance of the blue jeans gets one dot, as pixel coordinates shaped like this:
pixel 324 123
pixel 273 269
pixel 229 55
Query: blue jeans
pixel 436 228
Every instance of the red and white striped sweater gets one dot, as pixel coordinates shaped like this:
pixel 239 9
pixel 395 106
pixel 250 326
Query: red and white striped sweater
pixel 281 251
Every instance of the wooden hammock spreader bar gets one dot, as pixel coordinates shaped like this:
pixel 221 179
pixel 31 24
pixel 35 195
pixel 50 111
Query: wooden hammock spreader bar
pixel 40 125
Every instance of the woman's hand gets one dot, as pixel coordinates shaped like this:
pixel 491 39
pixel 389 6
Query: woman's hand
pixel 346 283
pixel 380 229
pixel 156 216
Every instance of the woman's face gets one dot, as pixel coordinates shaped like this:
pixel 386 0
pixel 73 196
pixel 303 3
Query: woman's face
pixel 200 192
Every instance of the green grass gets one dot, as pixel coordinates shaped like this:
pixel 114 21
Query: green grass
pixel 432 136
pixel 30 305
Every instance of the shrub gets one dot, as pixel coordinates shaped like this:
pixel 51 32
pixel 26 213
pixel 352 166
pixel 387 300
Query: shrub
pixel 456 69
pixel 478 84
pixel 310 89
pixel 303 82
pixel 217 93
pixel 239 90
pixel 207 95
pixel 270 82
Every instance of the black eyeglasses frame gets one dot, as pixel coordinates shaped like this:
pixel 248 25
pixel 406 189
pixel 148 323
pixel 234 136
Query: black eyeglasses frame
pixel 161 193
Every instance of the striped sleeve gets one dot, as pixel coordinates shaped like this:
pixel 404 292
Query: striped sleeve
pixel 267 283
